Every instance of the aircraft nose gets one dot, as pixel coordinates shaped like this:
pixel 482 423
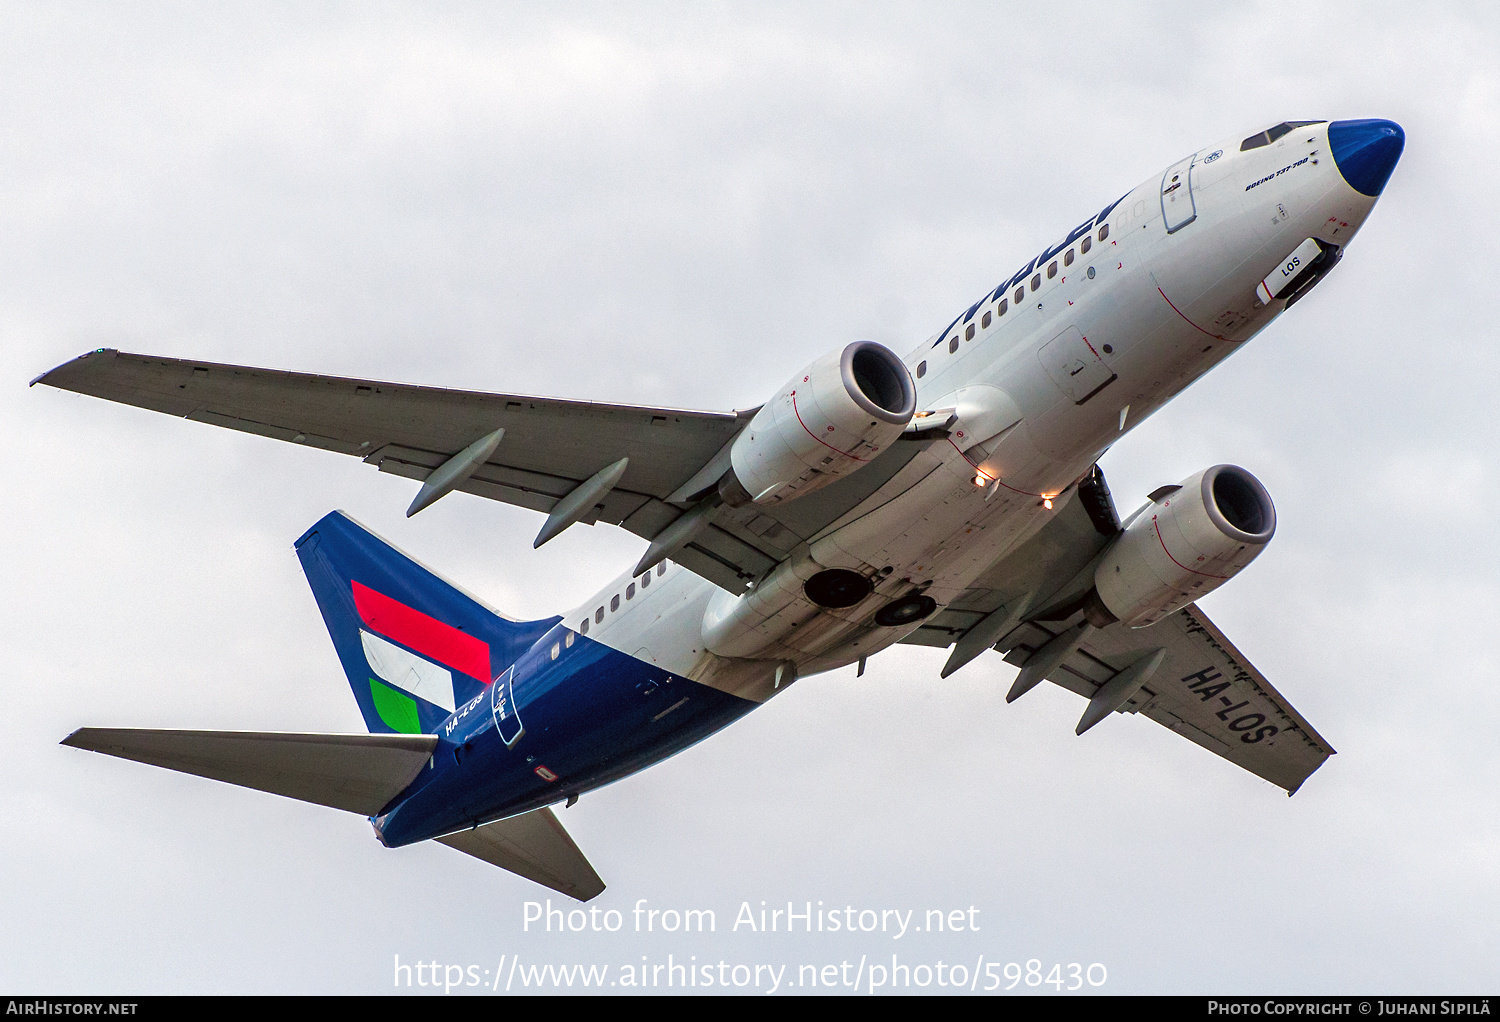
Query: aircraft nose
pixel 1366 152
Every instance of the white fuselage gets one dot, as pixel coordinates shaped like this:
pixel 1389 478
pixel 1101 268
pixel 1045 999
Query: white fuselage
pixel 1034 382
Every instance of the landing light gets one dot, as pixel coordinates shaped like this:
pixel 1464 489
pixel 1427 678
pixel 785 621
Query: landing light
pixel 1047 503
pixel 981 480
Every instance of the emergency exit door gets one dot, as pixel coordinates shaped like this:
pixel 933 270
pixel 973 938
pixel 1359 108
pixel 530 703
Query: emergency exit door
pixel 1078 370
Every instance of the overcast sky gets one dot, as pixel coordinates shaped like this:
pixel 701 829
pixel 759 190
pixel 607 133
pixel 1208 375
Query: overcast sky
pixel 682 205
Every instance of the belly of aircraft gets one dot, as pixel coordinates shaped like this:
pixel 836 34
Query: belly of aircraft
pixel 589 717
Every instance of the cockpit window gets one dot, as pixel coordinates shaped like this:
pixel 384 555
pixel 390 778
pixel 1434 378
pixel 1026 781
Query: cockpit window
pixel 1272 134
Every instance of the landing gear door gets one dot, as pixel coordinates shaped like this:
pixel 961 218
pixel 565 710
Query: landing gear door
pixel 1177 209
pixel 503 704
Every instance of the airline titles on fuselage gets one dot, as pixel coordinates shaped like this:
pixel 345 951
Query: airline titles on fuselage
pixel 1021 274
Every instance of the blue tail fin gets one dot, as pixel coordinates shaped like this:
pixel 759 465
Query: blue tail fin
pixel 414 646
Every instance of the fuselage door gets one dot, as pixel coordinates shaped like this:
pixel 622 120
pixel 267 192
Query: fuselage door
pixel 1177 207
pixel 1078 370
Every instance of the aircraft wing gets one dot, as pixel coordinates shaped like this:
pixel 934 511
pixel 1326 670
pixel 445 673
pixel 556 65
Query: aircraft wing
pixel 1203 688
pixel 549 449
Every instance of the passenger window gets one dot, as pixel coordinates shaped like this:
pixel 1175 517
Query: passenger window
pixel 568 639
pixel 614 602
pixel 1052 269
pixel 661 569
pixel 1036 282
pixel 1088 243
pixel 630 591
pixel 1020 294
pixel 598 615
pixel 921 369
pixel 953 345
pixel 556 649
pixel 1068 259
pixel 583 627
pixel 1104 232
pixel 645 580
pixel 985 322
pixel 1003 306
pixel 969 333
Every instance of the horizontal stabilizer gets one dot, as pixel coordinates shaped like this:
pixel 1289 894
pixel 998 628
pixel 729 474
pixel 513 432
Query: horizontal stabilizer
pixel 355 773
pixel 535 846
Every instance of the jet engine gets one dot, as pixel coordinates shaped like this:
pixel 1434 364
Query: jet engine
pixel 829 420
pixel 1187 542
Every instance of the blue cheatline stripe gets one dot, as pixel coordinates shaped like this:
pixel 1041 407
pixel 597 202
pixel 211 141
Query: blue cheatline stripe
pixel 592 716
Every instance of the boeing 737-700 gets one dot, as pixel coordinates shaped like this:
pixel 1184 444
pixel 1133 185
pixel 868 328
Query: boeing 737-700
pixel 947 498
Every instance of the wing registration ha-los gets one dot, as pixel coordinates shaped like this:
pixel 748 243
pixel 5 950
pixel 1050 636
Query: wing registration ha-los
pixel 949 498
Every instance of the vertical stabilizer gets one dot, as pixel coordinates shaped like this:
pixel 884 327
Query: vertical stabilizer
pixel 413 645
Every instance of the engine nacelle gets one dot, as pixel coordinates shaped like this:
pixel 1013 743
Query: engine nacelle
pixel 829 420
pixel 1188 542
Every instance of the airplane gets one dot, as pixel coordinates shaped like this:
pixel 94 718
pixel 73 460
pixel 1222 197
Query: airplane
pixel 950 498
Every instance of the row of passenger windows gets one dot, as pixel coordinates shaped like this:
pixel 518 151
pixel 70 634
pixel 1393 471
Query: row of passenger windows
pixel 557 647
pixel 1019 296
pixel 614 601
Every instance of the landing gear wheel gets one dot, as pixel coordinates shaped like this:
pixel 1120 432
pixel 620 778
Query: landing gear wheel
pixel 905 610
